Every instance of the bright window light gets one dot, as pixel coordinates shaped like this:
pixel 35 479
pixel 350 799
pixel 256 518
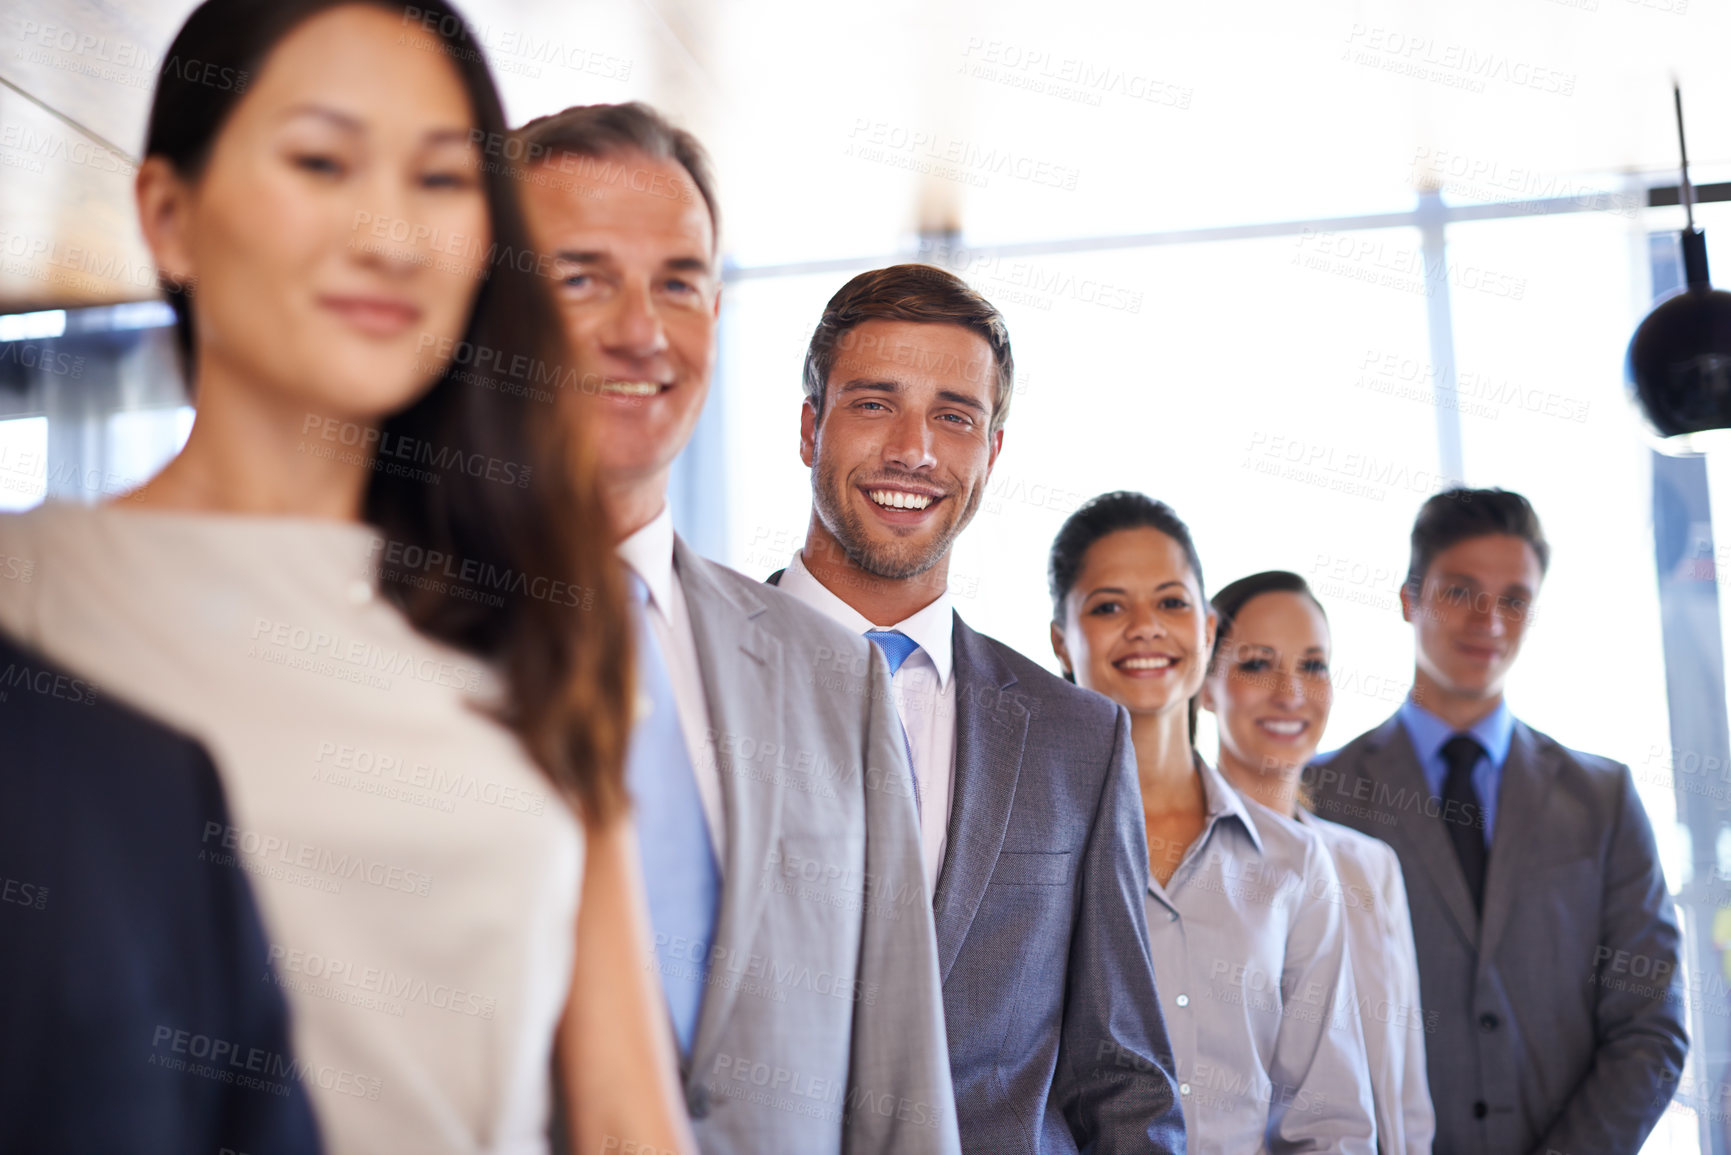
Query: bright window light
pixel 21 326
pixel 142 441
pixel 23 463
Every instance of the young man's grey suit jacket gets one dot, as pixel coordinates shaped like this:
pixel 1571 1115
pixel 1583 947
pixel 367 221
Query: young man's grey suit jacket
pixel 1539 1036
pixel 1056 1040
pixel 1057 1043
pixel 821 1029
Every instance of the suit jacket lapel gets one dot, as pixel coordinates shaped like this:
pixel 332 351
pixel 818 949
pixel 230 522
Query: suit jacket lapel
pixel 742 685
pixel 990 732
pixel 1427 840
pixel 1521 801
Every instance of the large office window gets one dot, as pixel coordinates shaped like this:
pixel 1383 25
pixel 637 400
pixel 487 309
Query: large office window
pixel 1543 410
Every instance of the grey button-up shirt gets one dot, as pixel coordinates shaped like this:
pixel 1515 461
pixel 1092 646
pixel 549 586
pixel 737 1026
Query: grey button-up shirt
pixel 1250 955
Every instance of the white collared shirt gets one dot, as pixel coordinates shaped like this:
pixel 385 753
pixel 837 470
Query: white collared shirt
pixel 924 692
pixel 649 553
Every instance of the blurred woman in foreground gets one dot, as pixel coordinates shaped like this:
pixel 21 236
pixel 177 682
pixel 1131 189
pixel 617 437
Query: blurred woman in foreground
pixel 378 589
pixel 1268 684
pixel 1249 952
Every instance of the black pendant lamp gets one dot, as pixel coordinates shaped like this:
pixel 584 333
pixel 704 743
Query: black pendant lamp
pixel 1679 366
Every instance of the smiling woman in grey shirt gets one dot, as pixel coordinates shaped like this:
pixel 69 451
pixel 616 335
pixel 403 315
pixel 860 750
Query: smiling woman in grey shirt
pixel 1244 915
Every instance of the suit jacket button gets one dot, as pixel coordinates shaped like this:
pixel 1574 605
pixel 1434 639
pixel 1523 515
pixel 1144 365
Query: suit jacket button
pixel 697 1103
pixel 1480 1110
pixel 1488 1022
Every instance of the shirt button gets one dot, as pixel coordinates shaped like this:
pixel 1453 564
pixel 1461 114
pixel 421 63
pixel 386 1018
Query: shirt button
pixel 1183 1000
pixel 1184 1088
pixel 1488 1022
pixel 1172 915
pixel 1480 1110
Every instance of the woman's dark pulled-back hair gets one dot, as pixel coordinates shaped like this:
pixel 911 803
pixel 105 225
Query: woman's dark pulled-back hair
pixel 1107 514
pixel 1230 601
pixel 1099 516
pixel 557 629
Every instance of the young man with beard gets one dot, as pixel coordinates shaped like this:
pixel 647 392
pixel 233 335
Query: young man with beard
pixel 1030 815
pixel 780 846
pixel 1531 871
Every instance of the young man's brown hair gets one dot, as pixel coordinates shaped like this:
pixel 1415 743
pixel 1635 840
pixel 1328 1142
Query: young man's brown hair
pixel 919 293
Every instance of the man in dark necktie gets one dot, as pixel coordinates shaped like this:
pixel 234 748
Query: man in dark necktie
pixel 1530 868
pixel 1030 814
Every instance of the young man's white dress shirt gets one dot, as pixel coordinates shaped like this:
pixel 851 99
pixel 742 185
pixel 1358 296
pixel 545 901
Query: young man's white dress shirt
pixel 924 691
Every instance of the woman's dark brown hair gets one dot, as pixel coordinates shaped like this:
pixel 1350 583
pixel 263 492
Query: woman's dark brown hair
pixel 1106 514
pixel 548 608
pixel 1234 596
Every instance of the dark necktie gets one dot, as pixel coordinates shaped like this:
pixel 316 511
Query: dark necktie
pixel 898 647
pixel 1465 818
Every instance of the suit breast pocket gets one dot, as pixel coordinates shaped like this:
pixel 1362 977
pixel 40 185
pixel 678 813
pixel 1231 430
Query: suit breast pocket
pixel 827 863
pixel 818 890
pixel 1578 876
pixel 1014 962
pixel 1558 910
pixel 1032 868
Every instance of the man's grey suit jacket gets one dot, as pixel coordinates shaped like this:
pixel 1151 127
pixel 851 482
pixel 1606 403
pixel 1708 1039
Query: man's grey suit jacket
pixel 1057 1044
pixel 821 1030
pixel 1538 1036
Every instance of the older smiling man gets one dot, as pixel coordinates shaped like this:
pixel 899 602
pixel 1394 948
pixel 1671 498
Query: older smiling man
pixel 780 849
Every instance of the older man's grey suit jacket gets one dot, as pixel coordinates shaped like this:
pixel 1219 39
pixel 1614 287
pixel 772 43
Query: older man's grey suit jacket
pixel 1546 1030
pixel 821 1030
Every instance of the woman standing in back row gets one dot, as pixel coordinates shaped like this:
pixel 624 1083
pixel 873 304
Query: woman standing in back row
pixel 1268 685
pixel 1249 950
pixel 424 766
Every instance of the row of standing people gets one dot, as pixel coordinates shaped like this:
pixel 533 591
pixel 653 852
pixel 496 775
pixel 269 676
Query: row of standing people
pixel 898 889
pixel 1486 903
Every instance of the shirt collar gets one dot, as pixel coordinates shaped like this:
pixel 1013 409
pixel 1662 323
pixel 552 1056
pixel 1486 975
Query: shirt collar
pixel 1428 732
pixel 1225 802
pixel 931 628
pixel 649 553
